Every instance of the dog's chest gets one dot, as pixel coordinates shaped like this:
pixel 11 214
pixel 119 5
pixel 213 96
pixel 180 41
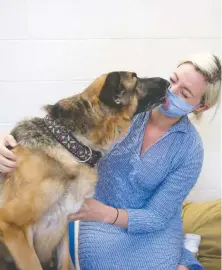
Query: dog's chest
pixel 66 205
pixel 50 229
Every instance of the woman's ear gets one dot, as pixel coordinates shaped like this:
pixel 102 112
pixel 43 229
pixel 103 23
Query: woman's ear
pixel 202 108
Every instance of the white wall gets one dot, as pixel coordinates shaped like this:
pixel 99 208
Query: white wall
pixel 53 48
pixel 209 183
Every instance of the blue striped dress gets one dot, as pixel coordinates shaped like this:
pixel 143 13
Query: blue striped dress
pixel 152 188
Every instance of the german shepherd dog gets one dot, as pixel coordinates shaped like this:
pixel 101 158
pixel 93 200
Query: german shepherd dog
pixel 56 169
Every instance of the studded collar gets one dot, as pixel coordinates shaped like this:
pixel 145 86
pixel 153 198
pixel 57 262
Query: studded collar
pixel 82 152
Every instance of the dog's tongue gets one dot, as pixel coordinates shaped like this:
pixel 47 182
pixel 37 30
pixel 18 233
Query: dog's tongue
pixel 166 105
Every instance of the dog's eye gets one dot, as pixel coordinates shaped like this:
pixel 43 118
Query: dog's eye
pixel 120 90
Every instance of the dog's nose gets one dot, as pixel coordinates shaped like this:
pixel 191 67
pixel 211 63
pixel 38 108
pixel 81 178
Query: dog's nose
pixel 164 83
pixel 167 84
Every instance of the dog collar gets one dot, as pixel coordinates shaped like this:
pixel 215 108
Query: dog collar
pixel 82 152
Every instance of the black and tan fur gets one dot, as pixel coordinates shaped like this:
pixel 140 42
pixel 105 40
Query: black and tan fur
pixel 49 183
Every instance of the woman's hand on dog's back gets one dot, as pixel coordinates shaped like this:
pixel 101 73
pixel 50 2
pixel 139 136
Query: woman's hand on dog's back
pixel 7 158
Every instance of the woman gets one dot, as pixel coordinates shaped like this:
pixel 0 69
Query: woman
pixel 134 221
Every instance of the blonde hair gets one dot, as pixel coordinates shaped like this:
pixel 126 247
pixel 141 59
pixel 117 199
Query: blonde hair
pixel 209 66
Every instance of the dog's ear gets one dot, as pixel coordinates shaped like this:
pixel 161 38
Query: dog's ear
pixel 111 91
pixel 57 111
pixel 69 108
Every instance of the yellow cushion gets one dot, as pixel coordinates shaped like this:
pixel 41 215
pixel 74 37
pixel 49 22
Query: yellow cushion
pixel 204 218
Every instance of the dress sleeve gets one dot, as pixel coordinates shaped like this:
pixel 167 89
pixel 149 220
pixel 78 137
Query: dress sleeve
pixel 169 196
pixel 187 259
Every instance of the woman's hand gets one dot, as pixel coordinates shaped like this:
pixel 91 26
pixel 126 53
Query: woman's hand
pixel 94 210
pixel 7 158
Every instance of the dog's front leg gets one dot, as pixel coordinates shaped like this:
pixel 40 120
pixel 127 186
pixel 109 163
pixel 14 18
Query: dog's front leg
pixel 63 256
pixel 16 240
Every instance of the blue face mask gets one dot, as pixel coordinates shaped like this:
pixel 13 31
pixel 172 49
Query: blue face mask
pixel 176 106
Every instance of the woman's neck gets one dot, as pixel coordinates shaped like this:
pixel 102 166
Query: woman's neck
pixel 162 121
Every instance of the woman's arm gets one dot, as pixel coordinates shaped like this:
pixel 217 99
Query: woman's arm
pixel 94 210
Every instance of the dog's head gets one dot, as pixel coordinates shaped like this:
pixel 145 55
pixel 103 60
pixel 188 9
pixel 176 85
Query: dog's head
pixel 121 88
pixel 109 104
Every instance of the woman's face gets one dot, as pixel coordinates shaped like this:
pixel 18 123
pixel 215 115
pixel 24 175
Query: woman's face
pixel 188 84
